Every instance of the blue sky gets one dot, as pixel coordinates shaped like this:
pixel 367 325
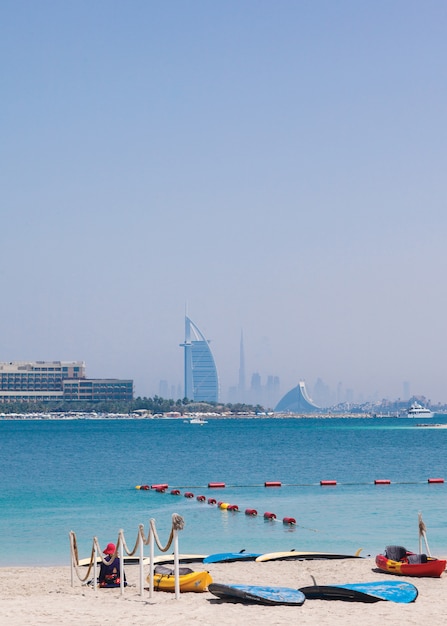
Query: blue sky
pixel 279 167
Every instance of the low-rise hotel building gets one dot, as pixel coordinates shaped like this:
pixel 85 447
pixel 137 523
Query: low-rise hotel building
pixel 44 381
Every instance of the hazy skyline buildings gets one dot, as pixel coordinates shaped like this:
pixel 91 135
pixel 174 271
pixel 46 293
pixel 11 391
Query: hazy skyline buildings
pixel 202 367
pixel 266 395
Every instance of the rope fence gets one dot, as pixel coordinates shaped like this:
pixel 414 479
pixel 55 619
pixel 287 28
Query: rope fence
pixel 142 540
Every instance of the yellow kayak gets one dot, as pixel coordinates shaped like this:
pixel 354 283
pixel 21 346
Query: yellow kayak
pixel 164 579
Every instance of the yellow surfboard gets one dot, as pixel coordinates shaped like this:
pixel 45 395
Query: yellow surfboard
pixel 303 556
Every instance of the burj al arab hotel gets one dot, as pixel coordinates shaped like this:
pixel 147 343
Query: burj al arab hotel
pixel 201 380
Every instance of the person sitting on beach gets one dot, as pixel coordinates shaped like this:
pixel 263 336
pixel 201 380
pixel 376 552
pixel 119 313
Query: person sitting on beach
pixel 111 571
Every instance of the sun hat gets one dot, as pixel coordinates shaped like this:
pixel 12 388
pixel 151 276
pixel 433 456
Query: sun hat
pixel 110 548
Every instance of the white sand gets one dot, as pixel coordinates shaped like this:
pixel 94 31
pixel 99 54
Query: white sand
pixel 45 596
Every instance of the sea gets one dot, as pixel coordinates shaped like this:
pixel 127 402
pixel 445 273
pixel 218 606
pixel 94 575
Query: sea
pixel 81 475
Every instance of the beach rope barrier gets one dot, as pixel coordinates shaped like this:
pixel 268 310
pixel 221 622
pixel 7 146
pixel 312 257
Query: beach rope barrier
pixel 121 547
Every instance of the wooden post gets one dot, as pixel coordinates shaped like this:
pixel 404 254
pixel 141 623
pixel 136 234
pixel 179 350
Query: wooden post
pixel 95 566
pixel 121 558
pixel 176 566
pixel 151 561
pixel 141 563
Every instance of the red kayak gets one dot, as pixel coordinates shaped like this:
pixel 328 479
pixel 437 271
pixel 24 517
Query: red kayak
pixel 431 567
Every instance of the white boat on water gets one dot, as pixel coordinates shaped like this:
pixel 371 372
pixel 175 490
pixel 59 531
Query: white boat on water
pixel 198 420
pixel 417 410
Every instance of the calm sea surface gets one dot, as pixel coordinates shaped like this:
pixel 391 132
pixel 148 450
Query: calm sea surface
pixel 80 475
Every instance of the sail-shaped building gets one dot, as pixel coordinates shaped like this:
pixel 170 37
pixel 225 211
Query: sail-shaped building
pixel 201 379
pixel 297 400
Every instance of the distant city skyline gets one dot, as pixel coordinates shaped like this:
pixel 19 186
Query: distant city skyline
pixel 266 393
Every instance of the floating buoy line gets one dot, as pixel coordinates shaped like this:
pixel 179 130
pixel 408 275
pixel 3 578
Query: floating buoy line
pixel 276 483
pixel 224 506
pixel 268 515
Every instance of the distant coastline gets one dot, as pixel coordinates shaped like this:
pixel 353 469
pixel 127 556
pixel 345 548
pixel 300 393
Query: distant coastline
pixel 211 416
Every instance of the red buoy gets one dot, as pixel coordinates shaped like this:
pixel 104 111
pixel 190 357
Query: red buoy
pixel 216 485
pixel 327 482
pixel 211 501
pixel 382 481
pixel 201 498
pixel 269 515
pixel 233 507
pixel 435 480
pixel 145 487
pixel 288 520
pixel 272 483
pixel 188 494
pixel 251 512
pixel 161 486
pixel 160 489
pixel 175 492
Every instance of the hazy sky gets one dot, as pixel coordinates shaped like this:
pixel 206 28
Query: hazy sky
pixel 277 166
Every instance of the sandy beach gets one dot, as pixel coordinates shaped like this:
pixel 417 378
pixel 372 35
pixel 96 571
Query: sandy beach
pixel 44 595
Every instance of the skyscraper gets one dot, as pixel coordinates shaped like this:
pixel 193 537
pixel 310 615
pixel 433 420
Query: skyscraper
pixel 241 385
pixel 163 389
pixel 406 391
pixel 201 380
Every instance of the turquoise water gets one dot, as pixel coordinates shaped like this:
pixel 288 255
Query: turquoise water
pixel 80 475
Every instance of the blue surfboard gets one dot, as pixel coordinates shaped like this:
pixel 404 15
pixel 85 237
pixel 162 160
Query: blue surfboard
pixel 393 591
pixel 229 557
pixel 257 594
